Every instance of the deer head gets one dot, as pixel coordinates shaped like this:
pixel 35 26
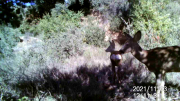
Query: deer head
pixel 114 46
pixel 131 45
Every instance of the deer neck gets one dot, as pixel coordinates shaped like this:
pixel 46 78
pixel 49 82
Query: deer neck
pixel 141 55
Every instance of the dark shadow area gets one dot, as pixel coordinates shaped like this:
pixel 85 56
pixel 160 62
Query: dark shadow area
pixel 77 6
pixel 8 15
pixel 87 84
pixel 84 84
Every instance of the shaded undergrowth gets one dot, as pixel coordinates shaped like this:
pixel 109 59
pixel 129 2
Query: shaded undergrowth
pixel 83 84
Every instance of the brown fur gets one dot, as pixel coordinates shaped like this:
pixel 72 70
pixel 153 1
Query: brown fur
pixel 158 60
pixel 114 63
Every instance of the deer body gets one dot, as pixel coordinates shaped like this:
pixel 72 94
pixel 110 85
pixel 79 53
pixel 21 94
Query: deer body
pixel 115 61
pixel 158 60
pixel 115 57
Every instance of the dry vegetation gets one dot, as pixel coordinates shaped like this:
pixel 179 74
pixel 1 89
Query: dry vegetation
pixel 62 56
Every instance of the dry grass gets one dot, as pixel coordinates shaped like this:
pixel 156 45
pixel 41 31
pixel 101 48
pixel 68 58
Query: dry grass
pixel 85 77
pixel 92 56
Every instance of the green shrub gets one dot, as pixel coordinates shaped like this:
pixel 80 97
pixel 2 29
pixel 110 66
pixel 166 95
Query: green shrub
pixel 94 35
pixel 155 22
pixel 64 45
pixel 59 9
pixel 147 14
pixel 24 99
pixel 113 10
pixel 21 67
pixel 173 8
pixel 61 20
pixel 7 92
pixel 8 39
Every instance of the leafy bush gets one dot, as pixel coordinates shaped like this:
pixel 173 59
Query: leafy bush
pixel 61 20
pixel 24 99
pixel 7 92
pixel 113 10
pixel 94 35
pixel 64 45
pixel 8 39
pixel 20 67
pixel 173 8
pixel 155 23
pixel 147 14
pixel 59 9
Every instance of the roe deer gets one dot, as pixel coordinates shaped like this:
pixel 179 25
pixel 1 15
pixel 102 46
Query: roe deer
pixel 158 60
pixel 115 57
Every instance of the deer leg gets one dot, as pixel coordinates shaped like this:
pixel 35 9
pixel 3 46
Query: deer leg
pixel 119 73
pixel 162 90
pixel 162 86
pixel 114 72
pixel 158 86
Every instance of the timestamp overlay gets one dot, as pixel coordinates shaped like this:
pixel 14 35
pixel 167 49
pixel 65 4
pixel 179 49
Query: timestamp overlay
pixel 148 91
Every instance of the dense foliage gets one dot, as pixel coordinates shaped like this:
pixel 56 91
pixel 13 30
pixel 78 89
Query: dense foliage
pixel 56 31
pixel 59 22
pixel 113 10
pixel 154 19
pixel 9 38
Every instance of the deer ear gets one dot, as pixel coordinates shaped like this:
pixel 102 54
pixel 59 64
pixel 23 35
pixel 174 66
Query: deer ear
pixel 137 36
pixel 110 41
